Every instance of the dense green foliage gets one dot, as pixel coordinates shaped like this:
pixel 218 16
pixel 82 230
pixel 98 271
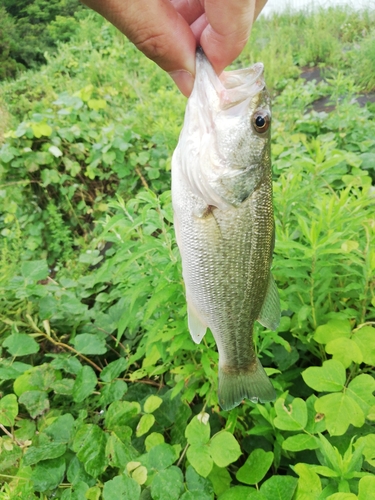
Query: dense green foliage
pixel 28 30
pixel 103 393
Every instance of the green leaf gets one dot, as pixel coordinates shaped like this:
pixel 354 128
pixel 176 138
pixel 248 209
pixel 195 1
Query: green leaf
pixel 84 384
pixel 8 410
pixel 242 493
pixel 112 392
pixel 200 458
pixel 309 486
pixel 76 473
pixel 20 344
pixel 35 454
pixel 291 418
pixel 38 378
pixel 322 470
pixel 255 467
pixel 369 447
pixel 333 330
pixel 120 413
pixel 279 487
pixel 35 270
pixel 353 461
pixel 167 484
pixel 96 104
pixel 113 370
pixel 48 474
pixel 344 350
pixel 340 410
pixel 152 403
pixel 220 479
pixel 224 449
pixel 300 442
pixel 93 493
pixel 145 424
pixel 24 383
pixel 88 343
pixel 12 370
pixel 153 439
pixel 61 429
pixel 365 339
pixel 196 483
pixel 123 487
pixel 9 458
pixel 85 92
pixel 76 492
pixel 162 456
pixel 371 414
pixel 26 430
pixel 330 454
pixel 361 389
pixel 89 443
pixel 67 363
pixel 41 128
pixel 330 377
pixel 366 490
pixel 342 496
pixel 36 402
pixel 7 155
pixel 55 151
pixel 43 158
pixel 195 495
pixel 140 475
pixel 63 386
pixel 119 454
pixel 198 431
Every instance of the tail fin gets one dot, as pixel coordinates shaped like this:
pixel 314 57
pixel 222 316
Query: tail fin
pixel 253 385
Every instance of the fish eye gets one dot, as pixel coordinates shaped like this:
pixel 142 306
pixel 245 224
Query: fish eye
pixel 261 121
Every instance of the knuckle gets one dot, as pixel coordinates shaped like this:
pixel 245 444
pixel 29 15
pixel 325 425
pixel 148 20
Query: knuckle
pixel 153 45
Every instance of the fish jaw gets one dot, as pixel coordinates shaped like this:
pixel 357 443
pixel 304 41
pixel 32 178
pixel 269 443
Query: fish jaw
pixel 221 152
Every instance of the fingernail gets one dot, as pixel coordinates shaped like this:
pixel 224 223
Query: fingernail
pixel 184 81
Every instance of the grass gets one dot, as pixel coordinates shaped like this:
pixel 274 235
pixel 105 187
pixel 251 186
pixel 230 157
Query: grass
pixel 103 393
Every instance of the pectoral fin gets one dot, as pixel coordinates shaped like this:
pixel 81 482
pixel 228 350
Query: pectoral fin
pixel 196 326
pixel 269 316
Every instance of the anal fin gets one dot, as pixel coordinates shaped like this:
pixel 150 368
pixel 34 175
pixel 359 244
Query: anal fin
pixel 270 313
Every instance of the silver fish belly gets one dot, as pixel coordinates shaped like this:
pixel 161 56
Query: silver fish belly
pixel 222 200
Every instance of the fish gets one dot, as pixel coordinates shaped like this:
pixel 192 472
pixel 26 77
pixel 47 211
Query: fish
pixel 224 222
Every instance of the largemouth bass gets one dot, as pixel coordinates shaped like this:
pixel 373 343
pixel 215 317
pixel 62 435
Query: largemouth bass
pixel 223 215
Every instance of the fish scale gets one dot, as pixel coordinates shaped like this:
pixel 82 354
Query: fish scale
pixel 222 200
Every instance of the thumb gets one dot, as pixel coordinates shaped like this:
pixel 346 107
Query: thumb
pixel 158 31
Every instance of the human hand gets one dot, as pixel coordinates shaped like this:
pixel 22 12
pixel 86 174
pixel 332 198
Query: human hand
pixel 169 31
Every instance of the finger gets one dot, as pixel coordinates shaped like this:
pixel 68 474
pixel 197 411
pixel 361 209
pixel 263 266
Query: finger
pixel 159 31
pixel 228 29
pixel 198 26
pixel 258 8
pixel 190 10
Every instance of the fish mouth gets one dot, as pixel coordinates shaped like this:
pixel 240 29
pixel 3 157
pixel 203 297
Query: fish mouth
pixel 243 79
pixel 240 86
pixel 231 87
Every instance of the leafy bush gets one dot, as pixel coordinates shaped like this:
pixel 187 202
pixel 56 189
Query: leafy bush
pixel 8 66
pixel 103 393
pixel 365 63
pixel 33 28
pixel 71 157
